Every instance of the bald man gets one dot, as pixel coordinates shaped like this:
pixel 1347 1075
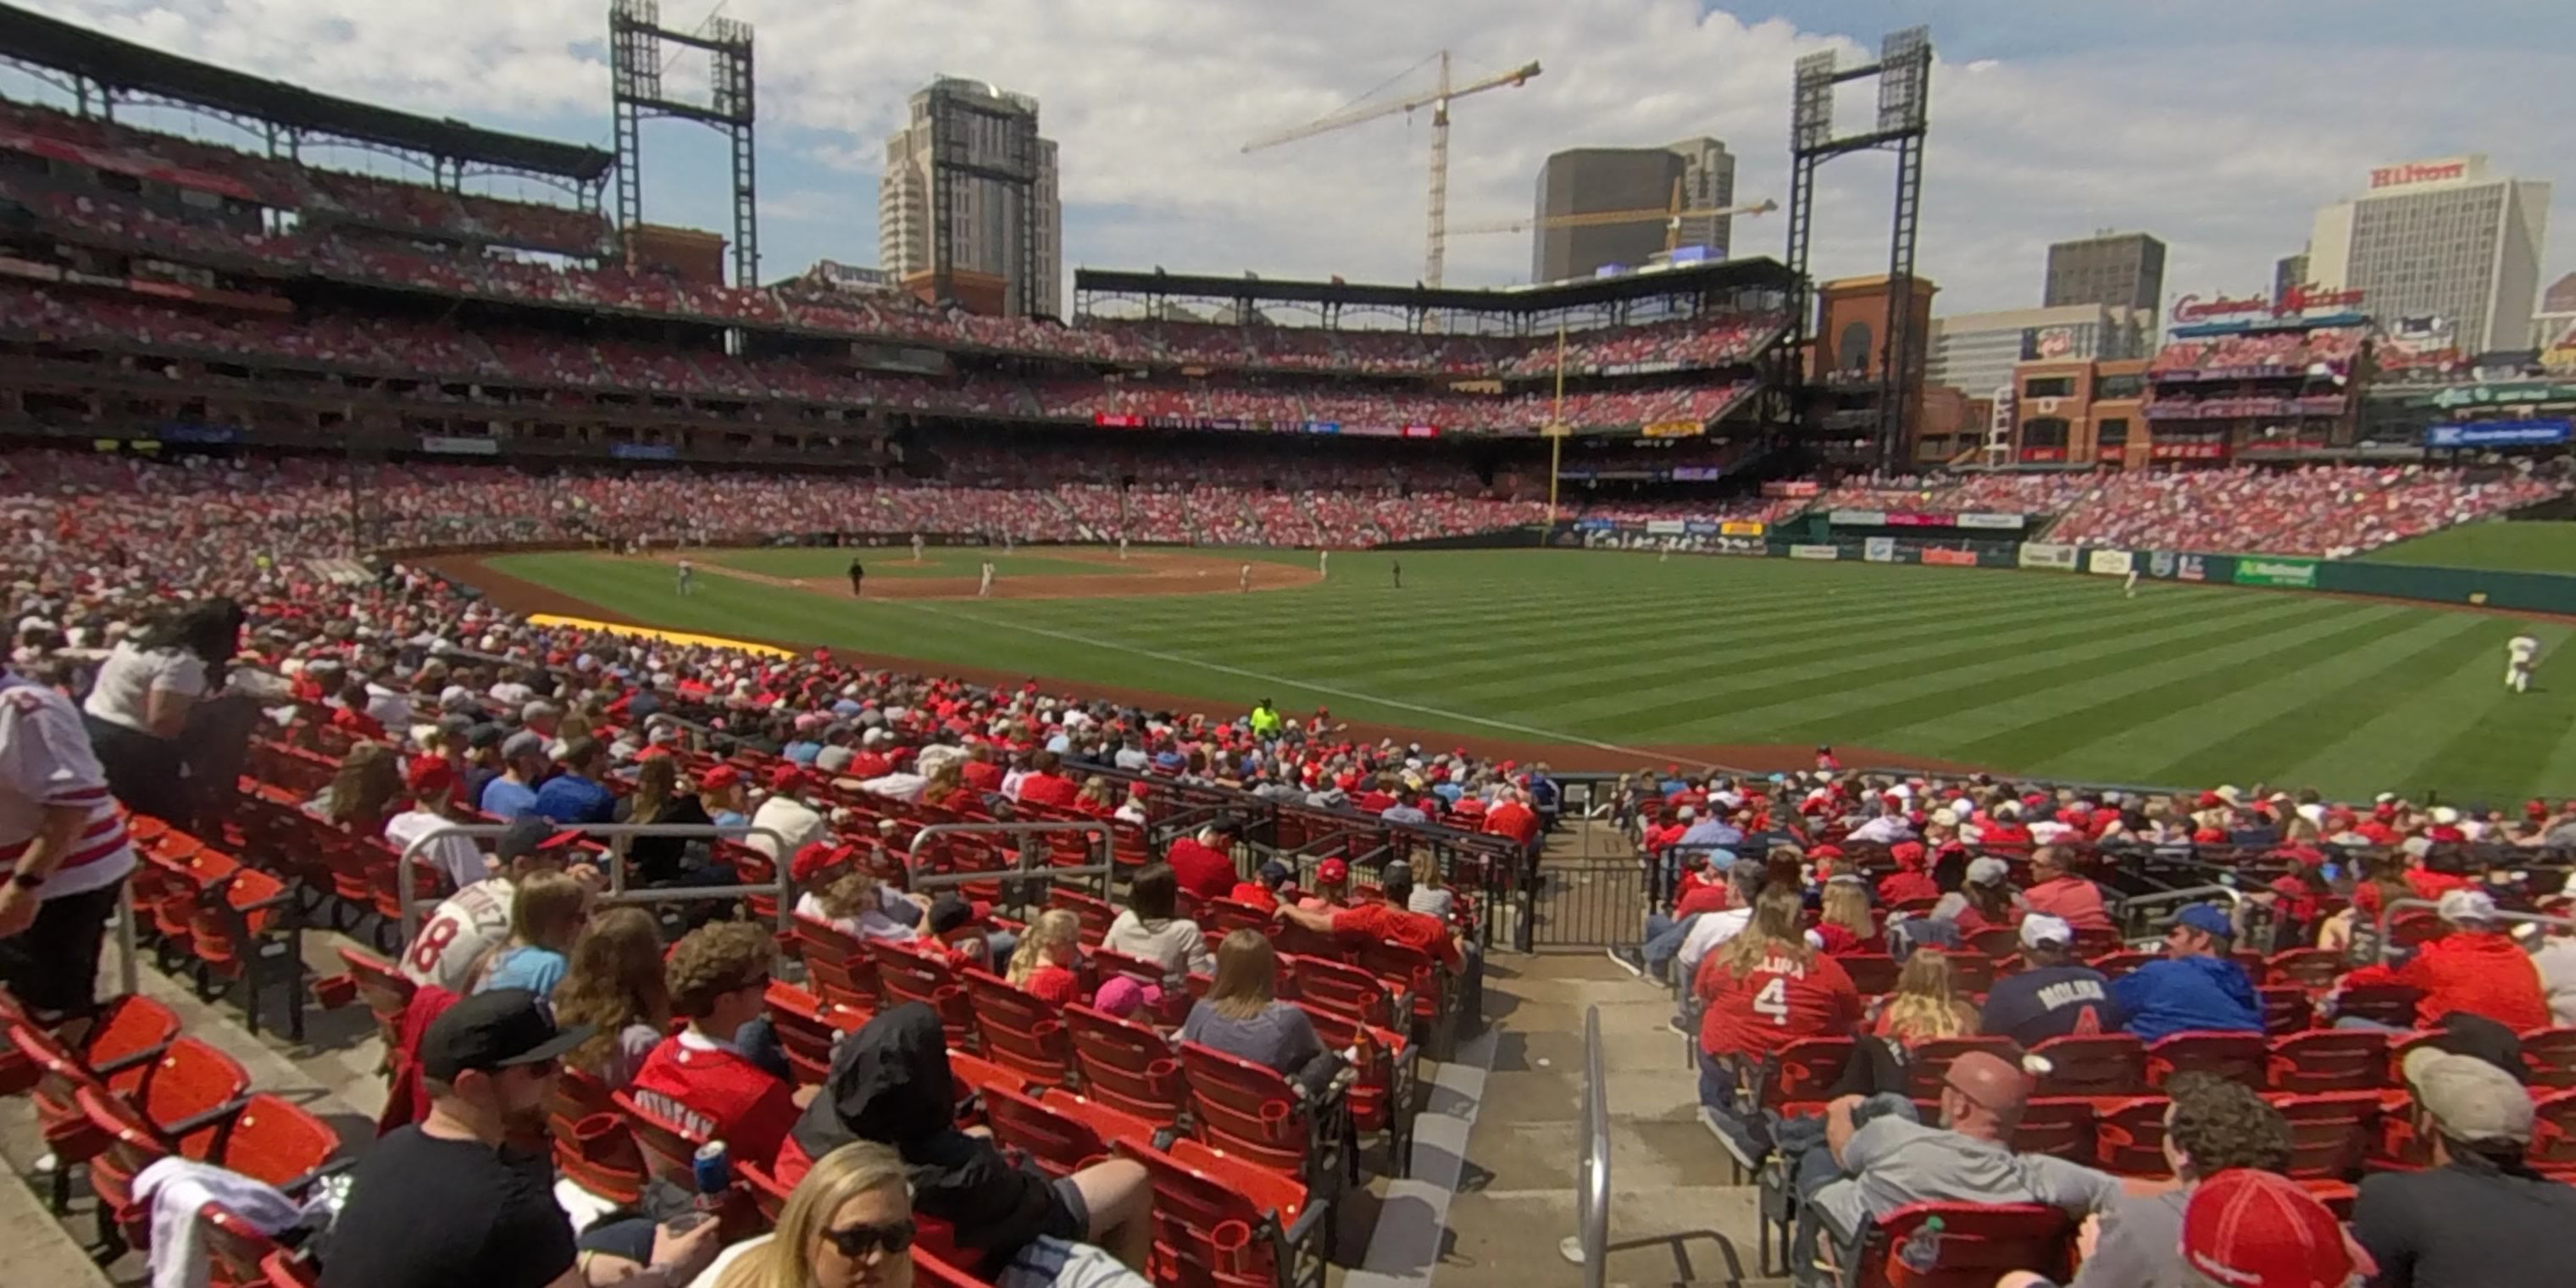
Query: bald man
pixel 1878 1158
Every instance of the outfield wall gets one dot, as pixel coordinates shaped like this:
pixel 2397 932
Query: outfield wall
pixel 2529 591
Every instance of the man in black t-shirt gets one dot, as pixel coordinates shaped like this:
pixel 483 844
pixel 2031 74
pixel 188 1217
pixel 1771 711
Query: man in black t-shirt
pixel 459 1199
pixel 2053 995
pixel 857 575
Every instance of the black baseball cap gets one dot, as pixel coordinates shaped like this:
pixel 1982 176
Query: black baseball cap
pixel 530 833
pixel 494 1030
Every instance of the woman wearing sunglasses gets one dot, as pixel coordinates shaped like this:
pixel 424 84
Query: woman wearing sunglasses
pixel 847 1225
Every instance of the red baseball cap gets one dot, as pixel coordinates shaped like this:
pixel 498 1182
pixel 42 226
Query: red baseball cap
pixel 2261 1230
pixel 429 776
pixel 817 858
pixel 1332 872
pixel 786 778
pixel 719 778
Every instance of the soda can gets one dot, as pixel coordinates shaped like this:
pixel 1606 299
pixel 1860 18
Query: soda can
pixel 713 1168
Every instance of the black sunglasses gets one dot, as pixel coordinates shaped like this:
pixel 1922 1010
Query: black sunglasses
pixel 857 1241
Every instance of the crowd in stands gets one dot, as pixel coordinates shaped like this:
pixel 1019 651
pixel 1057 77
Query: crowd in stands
pixel 2260 353
pixel 1980 493
pixel 2325 510
pixel 1926 990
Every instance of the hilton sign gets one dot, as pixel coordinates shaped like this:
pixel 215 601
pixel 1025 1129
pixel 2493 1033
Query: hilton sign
pixel 2415 172
pixel 2294 301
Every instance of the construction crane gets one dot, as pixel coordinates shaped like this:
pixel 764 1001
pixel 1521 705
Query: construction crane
pixel 1438 100
pixel 1672 217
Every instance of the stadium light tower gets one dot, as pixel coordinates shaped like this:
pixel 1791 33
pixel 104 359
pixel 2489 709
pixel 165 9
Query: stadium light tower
pixel 1436 235
pixel 1904 72
pixel 635 62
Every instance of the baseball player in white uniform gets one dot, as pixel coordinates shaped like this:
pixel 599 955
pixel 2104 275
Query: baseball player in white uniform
pixel 1323 563
pixel 916 547
pixel 1244 579
pixel 984 589
pixel 1122 549
pixel 687 576
pixel 2129 587
pixel 2520 656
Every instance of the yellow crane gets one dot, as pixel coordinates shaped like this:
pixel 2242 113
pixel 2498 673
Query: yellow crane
pixel 1672 217
pixel 1438 100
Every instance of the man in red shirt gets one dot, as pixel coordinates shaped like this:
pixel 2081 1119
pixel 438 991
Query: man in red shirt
pixel 1388 922
pixel 1043 785
pixel 978 770
pixel 2475 968
pixel 1512 817
pixel 700 1080
pixel 1264 893
pixel 1910 880
pixel 1204 864
pixel 2059 893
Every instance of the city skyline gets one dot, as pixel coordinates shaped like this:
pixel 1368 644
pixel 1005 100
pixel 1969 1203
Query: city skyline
pixel 2046 124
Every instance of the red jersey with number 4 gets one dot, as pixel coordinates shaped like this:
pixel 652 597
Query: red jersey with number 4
pixel 1778 1001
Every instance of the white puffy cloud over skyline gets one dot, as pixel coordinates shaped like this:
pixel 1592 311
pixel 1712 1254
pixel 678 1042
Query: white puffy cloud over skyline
pixel 2218 126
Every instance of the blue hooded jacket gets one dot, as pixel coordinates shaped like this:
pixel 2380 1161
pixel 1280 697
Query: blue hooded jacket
pixel 2188 994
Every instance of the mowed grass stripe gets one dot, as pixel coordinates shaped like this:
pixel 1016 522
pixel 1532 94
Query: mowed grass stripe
pixel 2394 746
pixel 2072 742
pixel 2432 647
pixel 1828 674
pixel 2502 754
pixel 1978 716
pixel 1841 645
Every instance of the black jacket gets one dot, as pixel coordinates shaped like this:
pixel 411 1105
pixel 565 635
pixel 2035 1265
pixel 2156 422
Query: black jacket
pixel 890 1084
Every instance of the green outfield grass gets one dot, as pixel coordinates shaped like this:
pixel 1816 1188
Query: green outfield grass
pixel 896 561
pixel 2032 672
pixel 2505 547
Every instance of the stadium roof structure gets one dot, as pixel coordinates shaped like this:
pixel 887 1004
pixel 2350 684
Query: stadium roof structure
pixel 1544 297
pixel 127 68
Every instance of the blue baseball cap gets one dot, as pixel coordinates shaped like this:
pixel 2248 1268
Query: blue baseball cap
pixel 2207 918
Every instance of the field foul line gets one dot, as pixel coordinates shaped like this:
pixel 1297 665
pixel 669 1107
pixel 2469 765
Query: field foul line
pixel 1285 681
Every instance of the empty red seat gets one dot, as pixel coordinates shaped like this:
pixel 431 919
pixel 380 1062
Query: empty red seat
pixel 2129 1136
pixel 1253 1113
pixel 2310 968
pixel 1978 1244
pixel 2237 1057
pixel 838 968
pixel 1344 989
pixel 807 1027
pixel 2330 1060
pixel 1060 1131
pixel 670 1148
pixel 1128 1066
pixel 1221 1222
pixel 1019 1031
pixel 909 976
pixel 2060 1127
pixel 2330 1134
pixel 2549 1055
pixel 2109 1064
pixel 2287 1009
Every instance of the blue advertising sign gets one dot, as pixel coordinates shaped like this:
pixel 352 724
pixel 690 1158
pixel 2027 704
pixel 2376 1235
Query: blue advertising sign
pixel 644 451
pixel 2497 433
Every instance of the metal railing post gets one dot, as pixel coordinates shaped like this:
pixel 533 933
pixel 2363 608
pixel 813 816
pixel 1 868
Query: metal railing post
pixel 128 942
pixel 782 882
pixel 1104 869
pixel 2388 917
pixel 1589 1245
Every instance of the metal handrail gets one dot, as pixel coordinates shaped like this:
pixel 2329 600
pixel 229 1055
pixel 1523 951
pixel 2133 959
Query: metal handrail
pixel 1589 1245
pixel 1104 869
pixel 2189 894
pixel 782 885
pixel 2388 916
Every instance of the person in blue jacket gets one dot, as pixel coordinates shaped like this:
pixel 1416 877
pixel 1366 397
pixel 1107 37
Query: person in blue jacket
pixel 2196 988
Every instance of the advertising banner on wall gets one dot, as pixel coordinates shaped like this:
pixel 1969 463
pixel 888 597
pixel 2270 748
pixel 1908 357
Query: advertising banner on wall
pixel 2047 554
pixel 1856 518
pixel 453 446
pixel 2174 566
pixel 2301 573
pixel 1815 552
pixel 1664 527
pixel 2108 563
pixel 2497 433
pixel 1988 520
pixel 1740 528
pixel 1879 550
pixel 1699 527
pixel 1740 546
pixel 1949 558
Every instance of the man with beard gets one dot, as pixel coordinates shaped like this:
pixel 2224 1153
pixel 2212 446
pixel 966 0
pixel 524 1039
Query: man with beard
pixel 466 1196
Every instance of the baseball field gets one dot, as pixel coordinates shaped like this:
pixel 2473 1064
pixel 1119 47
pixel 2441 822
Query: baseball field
pixel 1611 659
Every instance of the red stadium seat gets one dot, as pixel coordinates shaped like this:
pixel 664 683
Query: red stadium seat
pixel 1220 1222
pixel 1020 1032
pixel 1061 1132
pixel 1978 1244
pixel 2330 1060
pixel 1128 1066
pixel 2236 1057
pixel 837 966
pixel 1255 1114
pixel 2113 1064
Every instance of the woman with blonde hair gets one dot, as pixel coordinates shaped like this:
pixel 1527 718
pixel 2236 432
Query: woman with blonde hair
pixel 1767 987
pixel 615 985
pixel 1093 801
pixel 546 917
pixel 1846 923
pixel 945 784
pixel 1043 962
pixel 1926 1005
pixel 848 1224
pixel 1243 1017
pixel 362 789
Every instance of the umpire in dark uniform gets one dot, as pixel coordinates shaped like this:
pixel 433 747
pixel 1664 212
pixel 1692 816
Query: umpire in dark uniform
pixel 857 575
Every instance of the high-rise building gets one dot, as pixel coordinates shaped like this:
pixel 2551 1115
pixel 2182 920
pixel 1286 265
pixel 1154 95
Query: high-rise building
pixel 2442 239
pixel 1978 351
pixel 2560 297
pixel 1583 181
pixel 2289 271
pixel 986 239
pixel 2121 270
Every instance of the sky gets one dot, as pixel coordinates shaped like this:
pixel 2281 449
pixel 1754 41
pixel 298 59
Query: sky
pixel 2218 125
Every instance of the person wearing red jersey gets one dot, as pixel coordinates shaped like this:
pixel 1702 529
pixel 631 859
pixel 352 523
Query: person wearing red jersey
pixel 1764 988
pixel 1911 880
pixel 63 845
pixel 978 770
pixel 2056 891
pixel 1205 863
pixel 701 1079
pixel 1263 893
pixel 1389 921
pixel 1045 783
pixel 2475 968
pixel 1511 816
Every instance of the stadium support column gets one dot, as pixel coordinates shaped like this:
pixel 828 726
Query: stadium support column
pixel 1904 74
pixel 635 62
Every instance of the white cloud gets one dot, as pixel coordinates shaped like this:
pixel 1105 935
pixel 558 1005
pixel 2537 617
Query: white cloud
pixel 2224 150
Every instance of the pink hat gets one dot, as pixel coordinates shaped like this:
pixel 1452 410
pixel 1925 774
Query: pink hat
pixel 1122 996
